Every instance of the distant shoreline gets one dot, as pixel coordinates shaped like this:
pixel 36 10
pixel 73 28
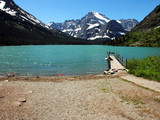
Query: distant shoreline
pixel 48 76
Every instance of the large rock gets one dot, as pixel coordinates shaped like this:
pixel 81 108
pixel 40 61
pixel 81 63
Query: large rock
pixel 21 100
pixel 17 104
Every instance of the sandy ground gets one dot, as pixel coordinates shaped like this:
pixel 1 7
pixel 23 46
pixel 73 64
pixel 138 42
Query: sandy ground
pixel 92 97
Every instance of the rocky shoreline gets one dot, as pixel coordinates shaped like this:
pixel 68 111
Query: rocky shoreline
pixel 97 97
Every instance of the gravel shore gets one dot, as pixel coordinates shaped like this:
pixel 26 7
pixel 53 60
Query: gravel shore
pixel 95 97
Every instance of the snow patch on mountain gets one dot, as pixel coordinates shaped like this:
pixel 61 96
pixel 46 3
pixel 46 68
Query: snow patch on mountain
pixel 7 10
pixel 24 18
pixel 78 29
pixel 119 21
pixel 66 30
pixel 106 36
pixel 97 37
pixel 99 16
pixel 33 19
pixel 92 25
pixel 2 4
pixel 49 24
pixel 100 22
pixel 121 33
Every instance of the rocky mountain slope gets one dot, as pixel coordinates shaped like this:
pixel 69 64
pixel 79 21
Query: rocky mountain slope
pixel 146 33
pixel 17 27
pixel 128 24
pixel 95 26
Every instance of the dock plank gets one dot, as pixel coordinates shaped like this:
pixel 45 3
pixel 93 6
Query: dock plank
pixel 115 64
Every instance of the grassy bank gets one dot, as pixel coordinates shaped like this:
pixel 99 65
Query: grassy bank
pixel 147 67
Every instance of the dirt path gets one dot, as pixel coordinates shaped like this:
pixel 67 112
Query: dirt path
pixel 71 99
pixel 143 82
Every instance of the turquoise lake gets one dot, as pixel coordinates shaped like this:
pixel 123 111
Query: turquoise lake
pixel 50 60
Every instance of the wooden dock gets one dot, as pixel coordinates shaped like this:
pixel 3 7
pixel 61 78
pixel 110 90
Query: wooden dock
pixel 115 62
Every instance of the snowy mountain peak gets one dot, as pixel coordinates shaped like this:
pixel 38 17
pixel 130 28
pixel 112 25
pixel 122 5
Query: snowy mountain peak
pixel 11 8
pixel 93 12
pixel 2 4
pixel 93 26
pixel 100 16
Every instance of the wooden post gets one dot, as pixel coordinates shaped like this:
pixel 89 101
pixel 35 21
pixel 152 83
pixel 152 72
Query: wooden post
pixel 118 57
pixel 108 60
pixel 122 60
pixel 126 63
pixel 107 55
pixel 109 64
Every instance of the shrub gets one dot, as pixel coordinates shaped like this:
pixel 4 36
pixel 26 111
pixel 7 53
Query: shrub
pixel 146 67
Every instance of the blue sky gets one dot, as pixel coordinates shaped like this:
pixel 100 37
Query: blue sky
pixel 61 10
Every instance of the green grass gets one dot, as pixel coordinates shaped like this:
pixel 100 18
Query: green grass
pixel 157 100
pixel 126 80
pixel 146 67
pixel 104 90
pixel 136 102
pixel 105 87
pixel 133 101
pixel 146 88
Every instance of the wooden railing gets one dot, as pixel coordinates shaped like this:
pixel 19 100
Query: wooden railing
pixel 121 60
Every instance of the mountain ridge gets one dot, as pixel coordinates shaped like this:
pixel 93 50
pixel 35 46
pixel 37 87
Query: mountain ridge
pixel 90 27
pixel 18 27
pixel 146 33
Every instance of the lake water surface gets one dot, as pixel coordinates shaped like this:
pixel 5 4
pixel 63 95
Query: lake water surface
pixel 48 60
